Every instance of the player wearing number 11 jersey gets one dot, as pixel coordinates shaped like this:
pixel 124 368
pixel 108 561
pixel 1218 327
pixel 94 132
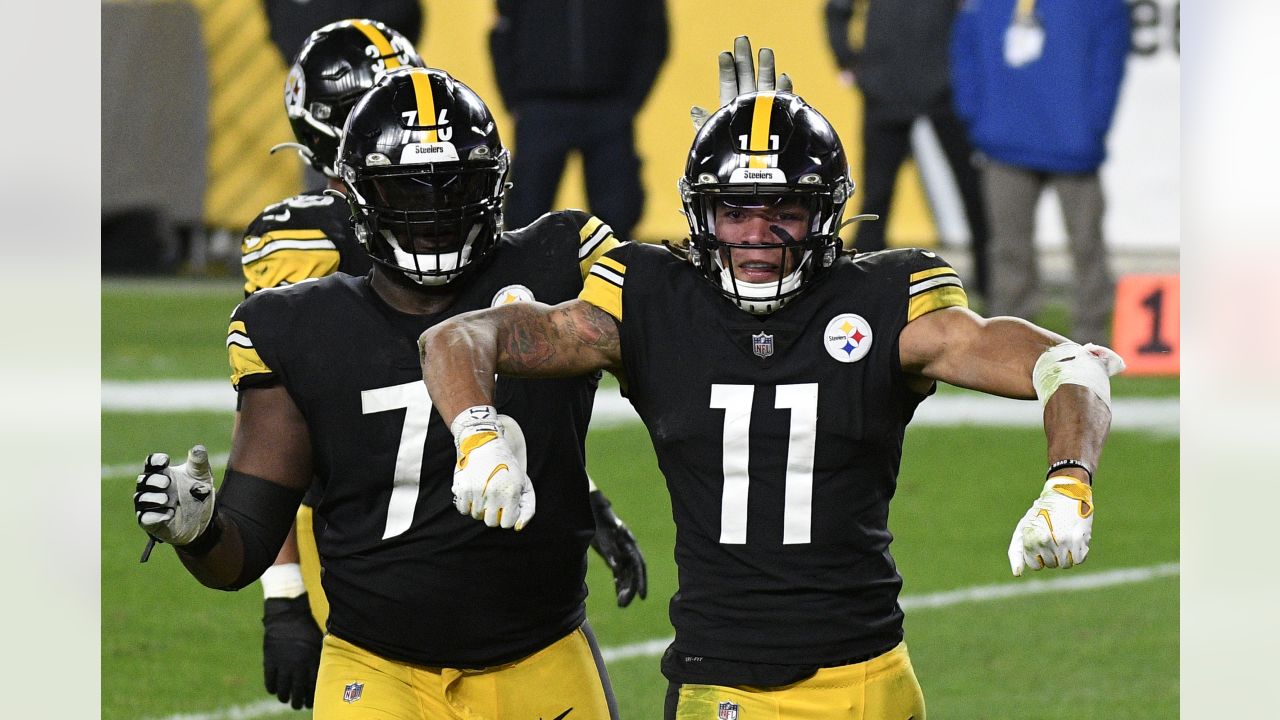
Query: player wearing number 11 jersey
pixel 776 378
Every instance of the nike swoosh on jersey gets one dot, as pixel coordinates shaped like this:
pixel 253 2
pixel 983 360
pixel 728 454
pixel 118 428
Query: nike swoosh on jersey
pixel 561 716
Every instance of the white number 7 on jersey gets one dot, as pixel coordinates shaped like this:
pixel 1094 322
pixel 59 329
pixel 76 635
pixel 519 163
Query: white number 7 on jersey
pixel 797 512
pixel 413 397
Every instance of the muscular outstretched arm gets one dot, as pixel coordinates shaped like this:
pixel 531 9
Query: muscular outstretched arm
pixel 996 356
pixel 271 442
pixel 460 357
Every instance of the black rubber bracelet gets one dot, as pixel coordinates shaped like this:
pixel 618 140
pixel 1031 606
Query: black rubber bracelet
pixel 1060 464
pixel 205 541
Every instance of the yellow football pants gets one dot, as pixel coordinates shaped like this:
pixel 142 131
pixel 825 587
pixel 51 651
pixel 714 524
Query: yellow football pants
pixel 309 559
pixel 882 688
pixel 356 684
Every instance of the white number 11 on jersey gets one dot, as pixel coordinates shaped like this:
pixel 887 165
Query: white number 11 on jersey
pixel 735 400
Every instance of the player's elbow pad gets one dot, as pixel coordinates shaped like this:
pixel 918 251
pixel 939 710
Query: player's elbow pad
pixel 263 512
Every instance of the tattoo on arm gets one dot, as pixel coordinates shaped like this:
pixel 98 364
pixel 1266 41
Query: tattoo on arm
pixel 569 338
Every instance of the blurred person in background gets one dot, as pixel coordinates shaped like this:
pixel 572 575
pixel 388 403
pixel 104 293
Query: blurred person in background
pixel 574 75
pixel 1036 83
pixel 901 70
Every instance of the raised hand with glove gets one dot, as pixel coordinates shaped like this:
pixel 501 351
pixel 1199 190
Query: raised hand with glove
pixel 738 77
pixel 489 481
pixel 615 543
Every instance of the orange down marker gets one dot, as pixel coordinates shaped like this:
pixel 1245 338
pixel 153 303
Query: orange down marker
pixel 1145 327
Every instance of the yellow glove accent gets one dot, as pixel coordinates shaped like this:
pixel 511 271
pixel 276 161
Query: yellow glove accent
pixel 1076 490
pixel 471 442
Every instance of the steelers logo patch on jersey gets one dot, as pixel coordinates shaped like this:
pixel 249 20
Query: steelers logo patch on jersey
pixel 511 294
pixel 847 338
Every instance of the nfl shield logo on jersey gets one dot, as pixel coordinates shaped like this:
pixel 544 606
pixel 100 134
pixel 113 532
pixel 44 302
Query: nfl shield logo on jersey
pixel 762 345
pixel 352 692
pixel 727 711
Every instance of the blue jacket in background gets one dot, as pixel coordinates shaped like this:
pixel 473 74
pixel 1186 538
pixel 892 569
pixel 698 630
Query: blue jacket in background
pixel 1051 114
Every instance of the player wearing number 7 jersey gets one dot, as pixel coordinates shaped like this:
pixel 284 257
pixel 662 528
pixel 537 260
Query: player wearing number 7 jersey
pixel 776 378
pixel 431 614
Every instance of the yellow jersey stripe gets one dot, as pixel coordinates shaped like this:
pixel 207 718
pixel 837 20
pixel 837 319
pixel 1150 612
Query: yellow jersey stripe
pixel 241 354
pixel 932 272
pixel 604 294
pixel 589 228
pixel 380 41
pixel 594 244
pixel 943 296
pixel 288 266
pixel 613 265
pixel 761 118
pixel 426 104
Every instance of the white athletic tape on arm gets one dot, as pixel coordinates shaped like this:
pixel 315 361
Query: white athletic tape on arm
pixel 1071 364
pixel 283 581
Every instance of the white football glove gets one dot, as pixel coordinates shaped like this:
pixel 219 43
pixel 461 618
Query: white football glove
pixel 174 504
pixel 1055 532
pixel 738 77
pixel 489 481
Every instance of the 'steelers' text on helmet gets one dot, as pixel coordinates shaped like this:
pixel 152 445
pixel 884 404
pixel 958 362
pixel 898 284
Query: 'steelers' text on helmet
pixel 760 149
pixel 336 66
pixel 425 172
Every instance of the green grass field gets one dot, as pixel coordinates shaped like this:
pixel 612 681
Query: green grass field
pixel 1106 652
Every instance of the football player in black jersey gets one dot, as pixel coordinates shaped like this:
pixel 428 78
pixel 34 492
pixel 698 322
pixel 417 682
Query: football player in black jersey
pixel 331 399
pixel 776 376
pixel 305 237
pixel 309 236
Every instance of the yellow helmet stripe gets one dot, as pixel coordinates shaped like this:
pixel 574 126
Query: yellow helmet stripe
pixel 761 117
pixel 426 103
pixel 380 41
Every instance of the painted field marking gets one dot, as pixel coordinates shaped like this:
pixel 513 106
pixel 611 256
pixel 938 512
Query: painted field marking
pixel 914 603
pixel 1158 415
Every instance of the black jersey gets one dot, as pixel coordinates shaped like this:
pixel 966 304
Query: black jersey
pixel 780 438
pixel 306 236
pixel 407 576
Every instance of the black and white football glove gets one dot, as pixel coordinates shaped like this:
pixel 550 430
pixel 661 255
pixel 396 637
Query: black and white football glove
pixel 175 504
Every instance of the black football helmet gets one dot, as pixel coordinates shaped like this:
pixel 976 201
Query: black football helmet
pixel 761 149
pixel 425 172
pixel 336 65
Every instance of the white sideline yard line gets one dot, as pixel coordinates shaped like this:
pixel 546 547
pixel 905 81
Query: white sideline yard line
pixel 915 603
pixel 1157 415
